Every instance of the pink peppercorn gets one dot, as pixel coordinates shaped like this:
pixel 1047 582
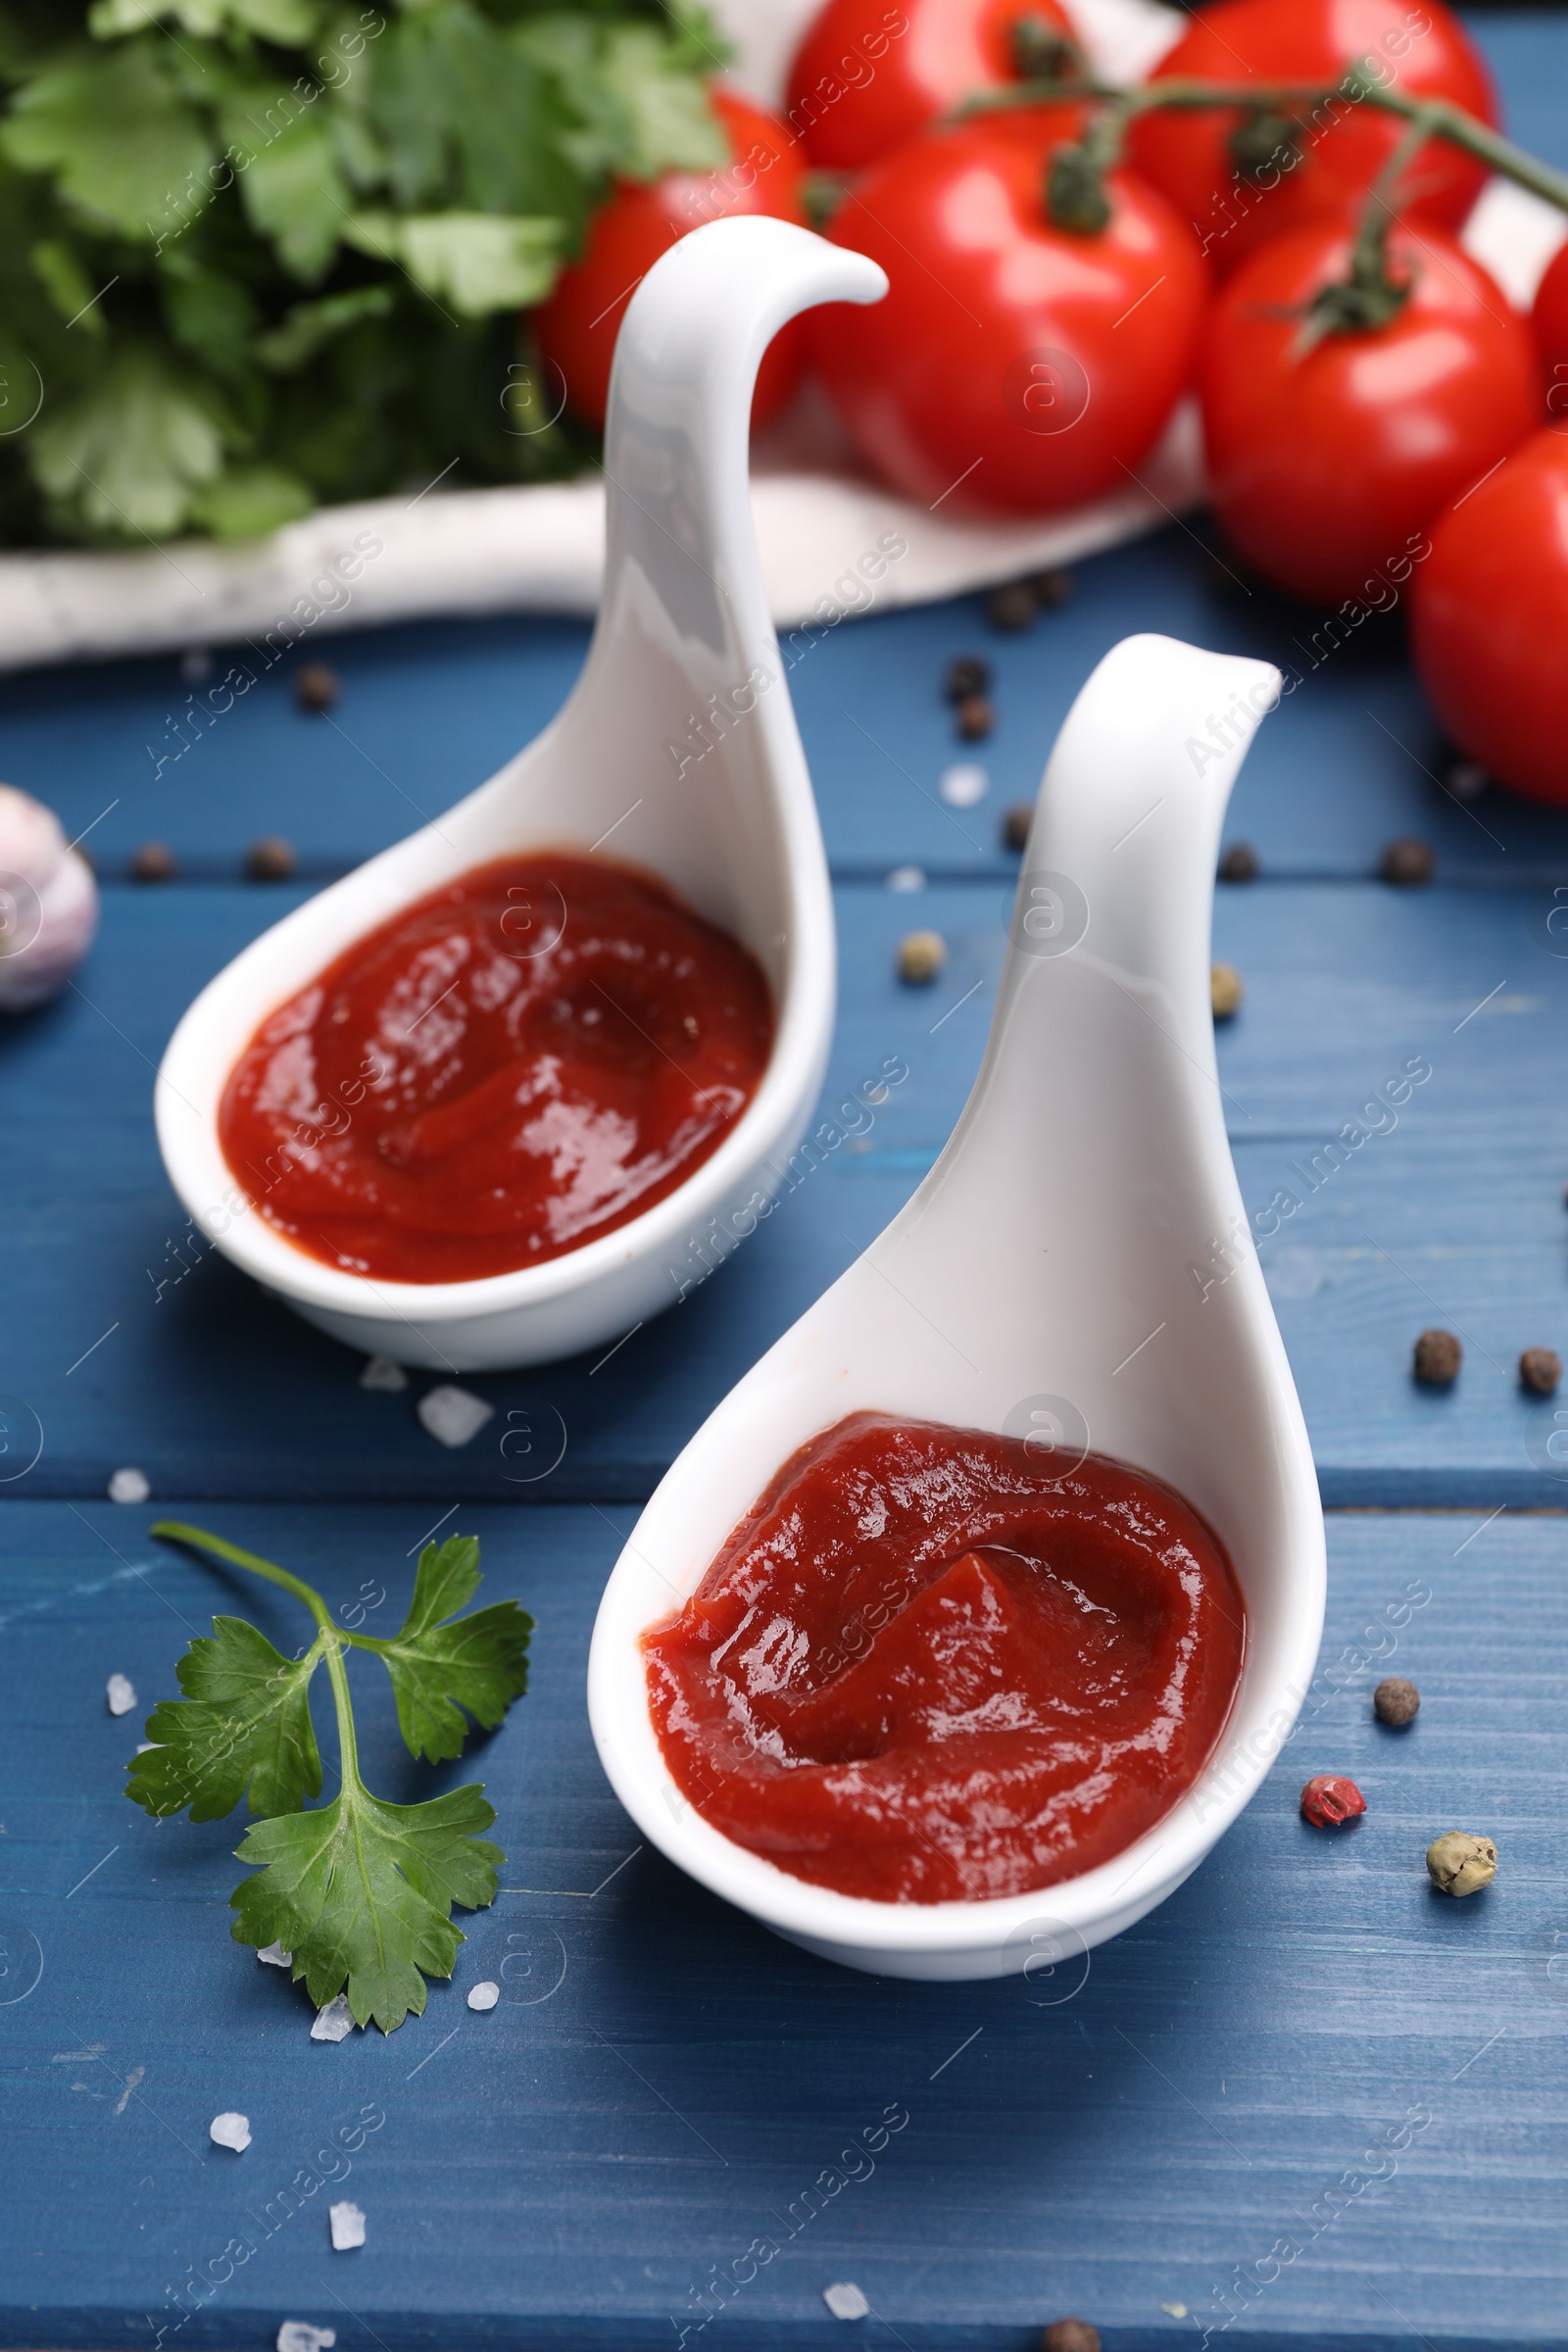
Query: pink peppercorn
pixel 1330 1799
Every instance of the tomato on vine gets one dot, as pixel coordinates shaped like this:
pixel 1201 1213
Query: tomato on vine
pixel 578 326
pixel 1489 620
pixel 1017 366
pixel 1349 393
pixel 1240 177
pixel 868 75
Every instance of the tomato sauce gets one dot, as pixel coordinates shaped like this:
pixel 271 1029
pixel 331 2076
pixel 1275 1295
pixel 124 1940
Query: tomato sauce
pixel 507 1069
pixel 924 1668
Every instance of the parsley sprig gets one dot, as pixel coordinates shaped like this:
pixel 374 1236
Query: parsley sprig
pixel 360 1891
pixel 257 254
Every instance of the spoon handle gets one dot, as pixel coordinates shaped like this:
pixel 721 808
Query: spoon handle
pixel 1121 853
pixel 678 527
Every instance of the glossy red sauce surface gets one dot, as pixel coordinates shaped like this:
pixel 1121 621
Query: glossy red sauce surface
pixel 507 1069
pixel 924 1669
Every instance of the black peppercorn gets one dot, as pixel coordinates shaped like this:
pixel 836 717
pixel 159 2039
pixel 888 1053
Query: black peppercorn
pixel 1396 1701
pixel 317 687
pixel 1436 1359
pixel 974 719
pixel 1015 824
pixel 1011 608
pixel 271 860
pixel 966 675
pixel 1049 588
pixel 1540 1370
pixel 1463 780
pixel 154 861
pixel 1238 864
pixel 1408 862
pixel 1070 2335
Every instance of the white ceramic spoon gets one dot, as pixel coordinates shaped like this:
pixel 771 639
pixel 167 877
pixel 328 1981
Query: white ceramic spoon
pixel 1075 1270
pixel 684 657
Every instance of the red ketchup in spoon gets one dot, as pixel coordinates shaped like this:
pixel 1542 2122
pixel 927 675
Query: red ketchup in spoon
pixel 927 1667
pixel 506 1070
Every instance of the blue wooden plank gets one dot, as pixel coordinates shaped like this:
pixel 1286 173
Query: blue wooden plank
pixel 1524 48
pixel 135 751
pixel 1351 759
pixel 1450 1210
pixel 663 2081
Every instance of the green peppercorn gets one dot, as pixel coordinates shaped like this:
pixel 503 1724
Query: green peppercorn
pixel 922 956
pixel 1461 1863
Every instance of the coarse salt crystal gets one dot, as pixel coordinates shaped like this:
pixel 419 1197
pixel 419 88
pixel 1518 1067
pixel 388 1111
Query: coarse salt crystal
pixel 1178 2311
pixel 129 1486
pixel 298 2335
pixel 276 1957
pixel 348 2226
pixel 121 1692
pixel 383 1375
pixel 907 877
pixel 230 2131
pixel 334 2020
pixel 485 1995
pixel 963 786
pixel 846 2302
pixel 455 1416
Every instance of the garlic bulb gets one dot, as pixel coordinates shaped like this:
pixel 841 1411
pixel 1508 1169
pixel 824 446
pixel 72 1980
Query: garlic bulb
pixel 48 902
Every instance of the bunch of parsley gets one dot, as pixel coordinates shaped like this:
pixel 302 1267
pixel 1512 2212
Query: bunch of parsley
pixel 257 254
pixel 358 1893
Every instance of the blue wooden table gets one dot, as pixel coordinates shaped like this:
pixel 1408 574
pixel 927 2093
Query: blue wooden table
pixel 1307 2102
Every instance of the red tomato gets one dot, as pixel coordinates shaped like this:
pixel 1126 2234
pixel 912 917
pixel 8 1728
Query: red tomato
pixel 1014 366
pixel 1488 621
pixel 578 325
pixel 866 77
pixel 1549 319
pixel 1328 464
pixel 1421 49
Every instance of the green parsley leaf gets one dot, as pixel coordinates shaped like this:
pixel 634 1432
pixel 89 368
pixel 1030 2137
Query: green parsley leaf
pixel 59 268
pixel 114 132
pixel 360 1894
pixel 245 1719
pixel 249 500
pixel 668 119
pixel 209 314
pixel 439 1667
pixel 272 20
pixel 286 160
pixel 478 262
pixel 360 1891
pixel 130 450
pixel 310 325
pixel 178 184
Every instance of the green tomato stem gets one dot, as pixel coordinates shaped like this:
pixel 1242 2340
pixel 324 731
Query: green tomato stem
pixel 1440 118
